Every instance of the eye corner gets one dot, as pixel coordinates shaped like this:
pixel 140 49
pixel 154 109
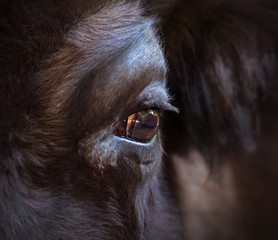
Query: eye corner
pixel 166 106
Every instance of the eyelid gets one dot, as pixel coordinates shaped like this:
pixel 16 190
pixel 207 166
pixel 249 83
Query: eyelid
pixel 153 98
pixel 158 105
pixel 146 144
pixel 156 96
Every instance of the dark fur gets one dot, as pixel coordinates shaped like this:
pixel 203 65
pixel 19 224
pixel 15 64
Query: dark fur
pixel 71 71
pixel 223 71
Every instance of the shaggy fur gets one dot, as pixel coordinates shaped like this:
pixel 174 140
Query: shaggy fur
pixel 72 71
pixel 74 76
pixel 222 58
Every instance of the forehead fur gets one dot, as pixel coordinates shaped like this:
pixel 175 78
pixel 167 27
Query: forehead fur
pixel 95 41
pixel 106 34
pixel 64 45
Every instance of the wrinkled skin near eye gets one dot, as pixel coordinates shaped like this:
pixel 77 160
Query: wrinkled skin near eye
pixel 141 126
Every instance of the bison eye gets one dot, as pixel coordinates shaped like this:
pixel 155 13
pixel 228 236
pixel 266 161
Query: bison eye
pixel 141 126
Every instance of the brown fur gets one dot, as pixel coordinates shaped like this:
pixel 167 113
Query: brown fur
pixel 72 71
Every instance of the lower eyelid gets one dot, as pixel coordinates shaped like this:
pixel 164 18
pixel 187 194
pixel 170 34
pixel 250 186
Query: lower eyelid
pixel 147 144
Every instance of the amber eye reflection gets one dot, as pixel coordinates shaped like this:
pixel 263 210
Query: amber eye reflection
pixel 141 126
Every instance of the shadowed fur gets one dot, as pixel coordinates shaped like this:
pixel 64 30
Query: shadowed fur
pixel 72 71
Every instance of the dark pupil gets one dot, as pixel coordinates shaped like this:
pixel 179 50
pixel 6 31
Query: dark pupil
pixel 141 126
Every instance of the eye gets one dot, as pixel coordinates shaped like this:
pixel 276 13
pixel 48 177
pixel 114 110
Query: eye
pixel 141 126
